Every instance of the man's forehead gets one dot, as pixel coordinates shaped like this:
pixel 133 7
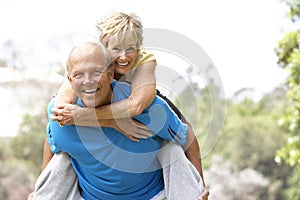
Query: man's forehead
pixel 90 54
pixel 86 50
pixel 88 63
pixel 91 62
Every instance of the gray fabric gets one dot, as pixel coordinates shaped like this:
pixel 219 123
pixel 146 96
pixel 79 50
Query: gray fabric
pixel 160 196
pixel 182 180
pixel 58 181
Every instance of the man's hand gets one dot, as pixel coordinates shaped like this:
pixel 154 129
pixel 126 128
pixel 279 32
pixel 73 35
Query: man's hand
pixel 204 195
pixel 64 114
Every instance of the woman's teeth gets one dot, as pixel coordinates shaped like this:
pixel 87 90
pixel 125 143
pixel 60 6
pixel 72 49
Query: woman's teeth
pixel 123 64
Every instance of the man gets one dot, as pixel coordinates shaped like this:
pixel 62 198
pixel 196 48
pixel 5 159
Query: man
pixel 109 165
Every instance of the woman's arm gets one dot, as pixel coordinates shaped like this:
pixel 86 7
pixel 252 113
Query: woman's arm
pixel 143 91
pixel 65 93
pixel 143 87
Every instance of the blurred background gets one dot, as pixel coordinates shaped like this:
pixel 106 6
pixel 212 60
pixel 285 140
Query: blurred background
pixel 245 113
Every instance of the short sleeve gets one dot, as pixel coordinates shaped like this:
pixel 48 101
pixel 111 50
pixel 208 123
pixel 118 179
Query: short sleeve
pixel 144 56
pixel 51 142
pixel 163 122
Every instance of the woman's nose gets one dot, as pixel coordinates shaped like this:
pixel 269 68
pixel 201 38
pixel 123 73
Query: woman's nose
pixel 122 54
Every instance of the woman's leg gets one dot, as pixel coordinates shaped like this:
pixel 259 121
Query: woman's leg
pixel 182 180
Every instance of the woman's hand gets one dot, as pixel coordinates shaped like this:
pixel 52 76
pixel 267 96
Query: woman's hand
pixel 64 114
pixel 132 129
pixel 204 195
pixel 69 114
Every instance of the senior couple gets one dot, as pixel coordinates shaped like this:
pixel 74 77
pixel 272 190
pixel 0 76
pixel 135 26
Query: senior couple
pixel 127 142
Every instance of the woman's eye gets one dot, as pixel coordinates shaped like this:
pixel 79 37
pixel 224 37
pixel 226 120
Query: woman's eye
pixel 116 49
pixel 130 50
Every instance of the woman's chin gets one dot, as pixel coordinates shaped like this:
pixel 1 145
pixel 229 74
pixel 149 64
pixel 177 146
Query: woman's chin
pixel 122 70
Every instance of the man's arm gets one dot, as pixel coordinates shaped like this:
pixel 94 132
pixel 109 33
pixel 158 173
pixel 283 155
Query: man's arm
pixel 192 150
pixel 47 154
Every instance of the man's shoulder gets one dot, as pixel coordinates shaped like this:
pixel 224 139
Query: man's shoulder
pixel 50 105
pixel 160 101
pixel 121 90
pixel 120 84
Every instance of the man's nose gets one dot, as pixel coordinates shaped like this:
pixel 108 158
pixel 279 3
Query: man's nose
pixel 88 79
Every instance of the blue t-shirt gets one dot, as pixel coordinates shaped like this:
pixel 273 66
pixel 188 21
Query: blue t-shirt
pixel 109 166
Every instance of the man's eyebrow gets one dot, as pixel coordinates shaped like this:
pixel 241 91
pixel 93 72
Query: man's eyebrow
pixel 100 68
pixel 74 72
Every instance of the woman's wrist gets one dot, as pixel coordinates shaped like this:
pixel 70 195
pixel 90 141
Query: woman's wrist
pixel 85 116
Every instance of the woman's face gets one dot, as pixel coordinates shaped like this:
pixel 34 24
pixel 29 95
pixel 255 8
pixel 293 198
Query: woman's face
pixel 123 54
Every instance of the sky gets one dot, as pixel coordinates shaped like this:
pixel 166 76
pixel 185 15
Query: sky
pixel 238 36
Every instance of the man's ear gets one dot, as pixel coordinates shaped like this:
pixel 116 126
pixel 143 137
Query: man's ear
pixel 70 81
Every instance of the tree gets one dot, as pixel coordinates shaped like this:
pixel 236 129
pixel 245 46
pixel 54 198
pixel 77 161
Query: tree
pixel 204 107
pixel 21 157
pixel 28 145
pixel 288 52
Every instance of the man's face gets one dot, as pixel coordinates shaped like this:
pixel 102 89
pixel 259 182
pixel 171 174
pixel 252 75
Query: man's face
pixel 91 81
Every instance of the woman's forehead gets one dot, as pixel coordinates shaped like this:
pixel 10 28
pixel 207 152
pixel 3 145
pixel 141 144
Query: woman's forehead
pixel 123 40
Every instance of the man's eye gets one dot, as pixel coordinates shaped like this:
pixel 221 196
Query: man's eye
pixel 97 73
pixel 78 75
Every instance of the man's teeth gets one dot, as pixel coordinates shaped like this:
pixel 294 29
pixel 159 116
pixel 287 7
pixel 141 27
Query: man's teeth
pixel 123 64
pixel 90 91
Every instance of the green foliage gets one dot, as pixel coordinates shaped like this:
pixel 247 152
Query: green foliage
pixel 205 110
pixel 21 157
pixel 16 180
pixel 286 48
pixel 294 9
pixel 250 127
pixel 251 137
pixel 293 193
pixel 27 146
pixel 288 53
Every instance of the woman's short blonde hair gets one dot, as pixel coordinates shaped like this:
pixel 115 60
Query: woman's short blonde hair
pixel 122 27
